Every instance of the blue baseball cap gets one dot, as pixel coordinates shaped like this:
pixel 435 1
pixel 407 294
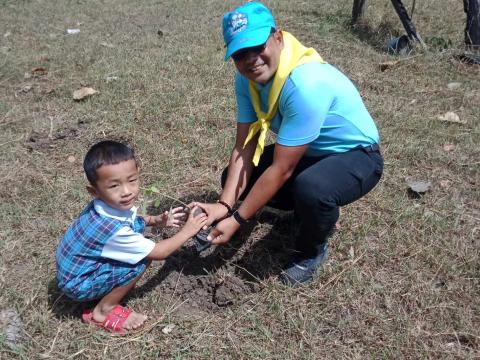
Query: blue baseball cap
pixel 246 26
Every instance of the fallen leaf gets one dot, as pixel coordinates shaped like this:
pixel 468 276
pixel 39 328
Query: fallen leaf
pixel 445 184
pixel 49 90
pixel 448 147
pixel 111 78
pixel 71 159
pixel 351 252
pixel 83 93
pixel 387 65
pixel 105 44
pixel 454 85
pixel 27 88
pixel 168 329
pixel 452 117
pixel 39 71
pixel 418 186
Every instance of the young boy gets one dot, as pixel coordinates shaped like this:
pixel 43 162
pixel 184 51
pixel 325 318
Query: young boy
pixel 103 253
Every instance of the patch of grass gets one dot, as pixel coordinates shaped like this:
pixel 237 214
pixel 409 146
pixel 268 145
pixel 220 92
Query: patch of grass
pixel 403 278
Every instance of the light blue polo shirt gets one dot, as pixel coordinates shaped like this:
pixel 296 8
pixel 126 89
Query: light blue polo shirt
pixel 318 105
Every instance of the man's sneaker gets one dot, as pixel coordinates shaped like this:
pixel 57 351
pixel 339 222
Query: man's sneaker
pixel 302 271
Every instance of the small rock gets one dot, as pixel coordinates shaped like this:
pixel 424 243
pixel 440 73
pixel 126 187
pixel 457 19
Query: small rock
pixel 452 117
pixel 83 93
pixel 418 186
pixel 73 31
pixel 454 85
pixel 168 329
pixel 11 326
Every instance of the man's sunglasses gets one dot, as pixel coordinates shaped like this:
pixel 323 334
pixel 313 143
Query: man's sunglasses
pixel 254 50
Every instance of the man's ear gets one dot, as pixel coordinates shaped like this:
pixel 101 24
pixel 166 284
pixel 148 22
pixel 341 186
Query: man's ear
pixel 92 190
pixel 278 35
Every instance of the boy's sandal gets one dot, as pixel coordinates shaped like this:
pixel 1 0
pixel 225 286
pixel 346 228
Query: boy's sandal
pixel 114 320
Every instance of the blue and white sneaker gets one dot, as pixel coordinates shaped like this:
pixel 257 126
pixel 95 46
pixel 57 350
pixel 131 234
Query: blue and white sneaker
pixel 302 271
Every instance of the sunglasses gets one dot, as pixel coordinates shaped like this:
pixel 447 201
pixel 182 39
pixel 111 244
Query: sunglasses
pixel 254 50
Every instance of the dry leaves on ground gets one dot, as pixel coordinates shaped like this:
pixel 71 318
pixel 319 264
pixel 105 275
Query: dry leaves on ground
pixel 83 93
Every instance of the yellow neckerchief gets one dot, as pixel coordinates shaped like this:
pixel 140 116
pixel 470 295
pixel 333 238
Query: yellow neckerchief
pixel 293 54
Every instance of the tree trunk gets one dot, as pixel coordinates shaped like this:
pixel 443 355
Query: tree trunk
pixel 407 21
pixel 357 12
pixel 472 29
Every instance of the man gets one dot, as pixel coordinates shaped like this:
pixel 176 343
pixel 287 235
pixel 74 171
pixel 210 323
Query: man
pixel 326 153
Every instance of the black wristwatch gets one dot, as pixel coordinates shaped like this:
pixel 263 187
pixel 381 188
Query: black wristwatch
pixel 239 218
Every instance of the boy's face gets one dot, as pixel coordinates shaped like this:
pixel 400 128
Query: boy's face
pixel 117 185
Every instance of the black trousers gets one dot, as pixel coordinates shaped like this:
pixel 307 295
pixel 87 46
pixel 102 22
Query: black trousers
pixel 318 187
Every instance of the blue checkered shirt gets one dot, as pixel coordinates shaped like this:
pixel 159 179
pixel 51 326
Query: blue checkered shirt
pixel 82 273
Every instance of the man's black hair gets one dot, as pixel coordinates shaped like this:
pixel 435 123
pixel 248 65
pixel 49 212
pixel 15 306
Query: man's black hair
pixel 106 152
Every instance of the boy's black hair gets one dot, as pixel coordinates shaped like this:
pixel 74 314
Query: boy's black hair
pixel 106 152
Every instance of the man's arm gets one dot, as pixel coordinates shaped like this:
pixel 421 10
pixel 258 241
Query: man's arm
pixel 240 169
pixel 285 159
pixel 240 166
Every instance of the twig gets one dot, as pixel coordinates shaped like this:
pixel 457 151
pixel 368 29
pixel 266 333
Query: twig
pixel 77 353
pixel 168 196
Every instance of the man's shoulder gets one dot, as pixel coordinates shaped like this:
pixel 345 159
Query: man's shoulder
pixel 311 73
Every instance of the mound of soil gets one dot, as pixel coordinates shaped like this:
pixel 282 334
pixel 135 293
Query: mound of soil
pixel 224 276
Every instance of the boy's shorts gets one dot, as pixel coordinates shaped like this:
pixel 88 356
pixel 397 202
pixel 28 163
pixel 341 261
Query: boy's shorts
pixel 103 279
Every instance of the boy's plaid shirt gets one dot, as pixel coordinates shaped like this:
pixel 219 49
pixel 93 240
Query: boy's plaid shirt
pixel 81 271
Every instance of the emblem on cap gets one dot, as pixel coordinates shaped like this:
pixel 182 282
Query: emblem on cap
pixel 237 23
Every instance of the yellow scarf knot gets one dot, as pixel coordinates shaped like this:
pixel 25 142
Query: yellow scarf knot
pixel 293 54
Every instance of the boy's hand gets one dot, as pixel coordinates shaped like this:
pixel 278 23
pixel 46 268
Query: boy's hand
pixel 173 218
pixel 195 222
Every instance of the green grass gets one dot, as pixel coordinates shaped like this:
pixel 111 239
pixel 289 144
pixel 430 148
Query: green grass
pixel 403 277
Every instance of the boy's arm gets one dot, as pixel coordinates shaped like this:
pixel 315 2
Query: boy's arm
pixel 166 247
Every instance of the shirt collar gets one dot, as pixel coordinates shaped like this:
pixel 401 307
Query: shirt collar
pixel 104 209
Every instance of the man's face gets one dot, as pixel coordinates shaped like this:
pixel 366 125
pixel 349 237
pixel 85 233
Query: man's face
pixel 260 63
pixel 117 184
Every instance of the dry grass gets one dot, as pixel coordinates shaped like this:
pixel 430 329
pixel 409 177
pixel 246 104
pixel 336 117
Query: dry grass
pixel 403 279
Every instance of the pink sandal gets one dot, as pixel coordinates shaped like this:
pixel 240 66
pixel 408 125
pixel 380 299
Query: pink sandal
pixel 113 322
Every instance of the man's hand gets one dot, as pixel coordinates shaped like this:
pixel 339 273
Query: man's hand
pixel 215 211
pixel 224 231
